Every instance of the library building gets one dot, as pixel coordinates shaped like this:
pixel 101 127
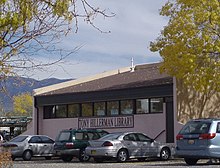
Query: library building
pixel 137 98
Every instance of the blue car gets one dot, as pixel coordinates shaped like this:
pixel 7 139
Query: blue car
pixel 199 139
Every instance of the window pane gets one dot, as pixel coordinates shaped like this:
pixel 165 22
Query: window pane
pixel 19 139
pixel 46 139
pixel 113 108
pixel 87 110
pixel 64 136
pixel 79 135
pixel 99 109
pixel 49 112
pixel 142 106
pixel 61 111
pixel 156 105
pixel 143 137
pixel 35 139
pixel 73 110
pixel 127 107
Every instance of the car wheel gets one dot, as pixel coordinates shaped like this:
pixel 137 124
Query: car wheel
pixel 83 157
pixel 27 155
pixel 165 153
pixel 122 155
pixel 67 158
pixel 48 157
pixel 98 160
pixel 191 161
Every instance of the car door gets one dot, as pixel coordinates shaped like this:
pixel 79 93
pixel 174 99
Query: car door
pixel 148 147
pixel 48 145
pixel 130 142
pixel 35 145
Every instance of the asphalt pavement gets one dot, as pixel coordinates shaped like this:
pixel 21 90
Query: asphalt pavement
pixel 57 163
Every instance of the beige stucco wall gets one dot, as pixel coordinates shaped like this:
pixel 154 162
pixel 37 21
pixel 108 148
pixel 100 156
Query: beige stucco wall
pixel 192 104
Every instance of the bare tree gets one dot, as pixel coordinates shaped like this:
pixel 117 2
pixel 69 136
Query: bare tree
pixel 32 28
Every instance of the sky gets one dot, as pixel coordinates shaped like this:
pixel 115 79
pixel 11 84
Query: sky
pixel 136 23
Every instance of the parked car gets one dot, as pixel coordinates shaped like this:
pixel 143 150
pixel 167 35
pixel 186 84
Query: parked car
pixel 27 146
pixel 72 143
pixel 127 145
pixel 199 139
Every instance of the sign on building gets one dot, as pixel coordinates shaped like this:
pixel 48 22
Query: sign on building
pixel 106 122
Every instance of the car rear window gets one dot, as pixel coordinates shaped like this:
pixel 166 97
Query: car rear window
pixel 64 136
pixel 111 136
pixel 196 127
pixel 19 139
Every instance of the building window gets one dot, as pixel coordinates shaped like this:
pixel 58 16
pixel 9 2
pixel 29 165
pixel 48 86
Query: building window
pixel 49 112
pixel 142 106
pixel 126 107
pixel 99 109
pixel 156 105
pixel 73 110
pixel 61 111
pixel 87 109
pixel 112 108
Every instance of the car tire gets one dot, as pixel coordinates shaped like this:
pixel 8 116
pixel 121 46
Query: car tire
pixel 98 160
pixel 191 161
pixel 48 157
pixel 122 155
pixel 82 156
pixel 67 158
pixel 27 155
pixel 165 153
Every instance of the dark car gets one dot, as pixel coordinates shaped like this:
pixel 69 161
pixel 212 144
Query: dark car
pixel 72 143
pixel 27 146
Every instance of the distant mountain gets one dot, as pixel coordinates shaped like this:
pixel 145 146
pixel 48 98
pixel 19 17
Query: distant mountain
pixel 15 86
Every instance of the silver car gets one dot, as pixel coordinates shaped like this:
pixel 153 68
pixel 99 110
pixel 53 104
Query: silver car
pixel 127 145
pixel 26 146
pixel 199 139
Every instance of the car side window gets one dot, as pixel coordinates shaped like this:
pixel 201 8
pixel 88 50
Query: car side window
pixel 95 136
pixel 89 135
pixel 79 136
pixel 218 128
pixel 35 139
pixel 143 138
pixel 46 140
pixel 130 137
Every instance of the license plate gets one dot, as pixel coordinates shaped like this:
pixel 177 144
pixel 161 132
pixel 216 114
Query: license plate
pixel 93 152
pixel 191 141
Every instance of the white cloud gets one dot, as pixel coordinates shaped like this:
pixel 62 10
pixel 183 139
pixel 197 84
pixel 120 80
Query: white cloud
pixel 137 22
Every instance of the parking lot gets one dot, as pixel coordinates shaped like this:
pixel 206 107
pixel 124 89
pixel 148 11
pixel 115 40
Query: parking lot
pixel 57 163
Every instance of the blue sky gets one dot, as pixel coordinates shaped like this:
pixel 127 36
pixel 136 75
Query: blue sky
pixel 137 22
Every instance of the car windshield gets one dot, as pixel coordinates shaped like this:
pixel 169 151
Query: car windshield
pixel 19 139
pixel 196 127
pixel 111 136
